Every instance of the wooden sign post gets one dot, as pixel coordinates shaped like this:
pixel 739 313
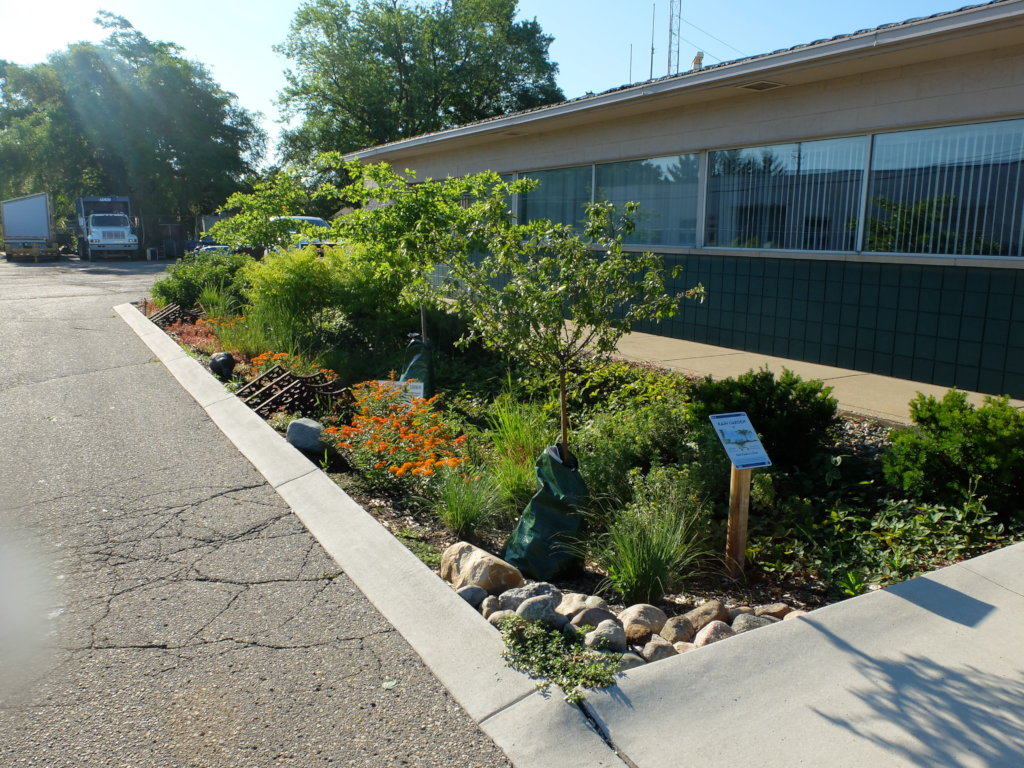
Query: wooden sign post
pixel 746 452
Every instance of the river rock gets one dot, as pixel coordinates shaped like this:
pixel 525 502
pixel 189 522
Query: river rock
pixel 541 609
pixel 304 434
pixel 572 603
pixel 683 647
pixel 658 648
pixel 463 565
pixel 473 595
pixel 739 610
pixel 777 610
pixel 746 622
pixel 511 599
pixel 702 615
pixel 591 617
pixel 630 660
pixel 489 605
pixel 796 613
pixel 677 629
pixel 712 633
pixel 496 617
pixel 641 621
pixel 593 601
pixel 608 635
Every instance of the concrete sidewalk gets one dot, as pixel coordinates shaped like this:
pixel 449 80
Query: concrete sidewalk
pixel 867 394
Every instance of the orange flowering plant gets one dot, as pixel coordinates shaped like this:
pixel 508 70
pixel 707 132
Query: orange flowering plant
pixel 294 363
pixel 395 440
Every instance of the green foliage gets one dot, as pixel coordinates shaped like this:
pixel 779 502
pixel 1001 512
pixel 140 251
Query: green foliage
pixel 463 503
pixel 127 116
pixel 409 68
pixel 794 417
pixel 926 226
pixel 203 270
pixel 518 433
pixel 552 657
pixel 613 444
pixel 655 543
pixel 955 450
pixel 256 221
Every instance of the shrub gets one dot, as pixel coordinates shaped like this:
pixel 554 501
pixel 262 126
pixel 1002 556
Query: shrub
pixel 956 450
pixel 187 278
pixel 794 417
pixel 394 440
pixel 518 432
pixel 655 543
pixel 463 503
pixel 614 444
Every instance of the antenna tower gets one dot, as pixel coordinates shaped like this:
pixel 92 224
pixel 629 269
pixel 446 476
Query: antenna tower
pixel 675 23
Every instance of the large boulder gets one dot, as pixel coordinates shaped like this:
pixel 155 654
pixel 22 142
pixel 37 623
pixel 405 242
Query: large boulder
pixel 304 434
pixel 641 621
pixel 464 565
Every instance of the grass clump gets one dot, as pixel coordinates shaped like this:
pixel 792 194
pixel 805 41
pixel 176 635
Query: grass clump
pixel 518 433
pixel 464 504
pixel 552 657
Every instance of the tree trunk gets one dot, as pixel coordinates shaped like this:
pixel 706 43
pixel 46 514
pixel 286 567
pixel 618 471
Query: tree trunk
pixel 564 408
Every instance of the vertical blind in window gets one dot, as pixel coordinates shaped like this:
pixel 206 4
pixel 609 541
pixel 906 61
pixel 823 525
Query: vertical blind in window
pixel 802 196
pixel 665 188
pixel 561 196
pixel 956 190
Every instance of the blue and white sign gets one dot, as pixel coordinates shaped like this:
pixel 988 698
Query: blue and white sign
pixel 740 440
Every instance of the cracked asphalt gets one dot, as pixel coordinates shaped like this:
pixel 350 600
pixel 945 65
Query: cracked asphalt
pixel 159 603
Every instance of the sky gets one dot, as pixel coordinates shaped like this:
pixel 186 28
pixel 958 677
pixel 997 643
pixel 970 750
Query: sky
pixel 598 44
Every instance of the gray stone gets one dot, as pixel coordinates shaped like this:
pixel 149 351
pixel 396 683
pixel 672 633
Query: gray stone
pixel 222 364
pixel 512 598
pixel 489 605
pixel 630 660
pixel 738 611
pixel 608 635
pixel 712 633
pixel 462 564
pixel 678 629
pixel 746 622
pixel 591 617
pixel 572 603
pixel 541 609
pixel 658 648
pixel 496 617
pixel 778 610
pixel 641 621
pixel 593 601
pixel 473 595
pixel 702 615
pixel 304 434
pixel 683 647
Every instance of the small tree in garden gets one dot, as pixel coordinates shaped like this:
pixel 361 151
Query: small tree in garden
pixel 255 222
pixel 560 302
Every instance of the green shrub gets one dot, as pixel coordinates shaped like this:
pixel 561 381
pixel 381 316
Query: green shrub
pixel 195 271
pixel 795 418
pixel 956 450
pixel 614 444
pixel 462 503
pixel 518 432
pixel 655 543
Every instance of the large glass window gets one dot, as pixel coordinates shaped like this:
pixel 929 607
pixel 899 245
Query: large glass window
pixel 561 196
pixel 665 188
pixel 802 196
pixel 955 190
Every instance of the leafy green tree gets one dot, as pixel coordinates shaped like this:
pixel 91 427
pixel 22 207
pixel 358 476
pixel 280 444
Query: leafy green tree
pixel 255 221
pixel 128 116
pixel 375 71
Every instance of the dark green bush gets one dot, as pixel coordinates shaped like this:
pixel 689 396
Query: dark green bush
pixel 956 451
pixel 187 278
pixel 795 418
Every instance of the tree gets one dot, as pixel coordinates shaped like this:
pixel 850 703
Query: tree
pixel 256 217
pixel 127 116
pixel 376 71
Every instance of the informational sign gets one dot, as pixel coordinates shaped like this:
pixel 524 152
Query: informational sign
pixel 412 387
pixel 740 440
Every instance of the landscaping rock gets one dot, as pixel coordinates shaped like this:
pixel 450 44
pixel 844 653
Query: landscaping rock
pixel 641 621
pixel 304 434
pixel 630 660
pixel 593 601
pixel 746 622
pixel 572 603
pixel 463 565
pixel 511 599
pixel 796 613
pixel 607 636
pixel 473 595
pixel 496 617
pixel 702 615
pixel 541 609
pixel 778 610
pixel 658 648
pixel 683 647
pixel 678 629
pixel 712 633
pixel 739 610
pixel 591 617
pixel 489 605
pixel 222 364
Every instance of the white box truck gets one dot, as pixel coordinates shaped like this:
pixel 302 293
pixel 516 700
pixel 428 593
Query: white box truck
pixel 28 227
pixel 105 227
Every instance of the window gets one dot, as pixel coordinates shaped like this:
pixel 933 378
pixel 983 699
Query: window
pixel 562 196
pixel 665 188
pixel 791 196
pixel 956 190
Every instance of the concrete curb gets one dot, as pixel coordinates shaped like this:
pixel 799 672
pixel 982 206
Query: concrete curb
pixel 454 641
